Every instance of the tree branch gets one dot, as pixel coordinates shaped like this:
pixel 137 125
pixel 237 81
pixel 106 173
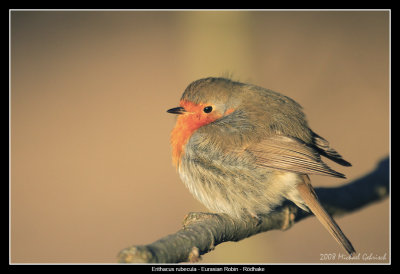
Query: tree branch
pixel 201 232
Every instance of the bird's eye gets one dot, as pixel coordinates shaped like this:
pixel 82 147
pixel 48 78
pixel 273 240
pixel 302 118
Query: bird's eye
pixel 208 109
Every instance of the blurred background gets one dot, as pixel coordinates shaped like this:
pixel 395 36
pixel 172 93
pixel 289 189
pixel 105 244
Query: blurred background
pixel 91 169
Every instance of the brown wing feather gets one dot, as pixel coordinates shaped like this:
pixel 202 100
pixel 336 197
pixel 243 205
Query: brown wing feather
pixel 324 149
pixel 290 154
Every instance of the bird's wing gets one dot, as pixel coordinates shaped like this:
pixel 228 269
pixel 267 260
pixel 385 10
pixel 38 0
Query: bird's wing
pixel 324 149
pixel 290 154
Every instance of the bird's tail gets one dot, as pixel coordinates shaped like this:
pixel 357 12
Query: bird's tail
pixel 310 198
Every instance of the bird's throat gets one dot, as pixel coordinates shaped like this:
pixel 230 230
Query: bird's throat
pixel 186 125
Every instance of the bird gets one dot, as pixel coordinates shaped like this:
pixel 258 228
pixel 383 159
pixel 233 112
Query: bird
pixel 243 150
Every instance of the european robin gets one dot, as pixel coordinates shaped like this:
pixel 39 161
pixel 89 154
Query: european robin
pixel 243 149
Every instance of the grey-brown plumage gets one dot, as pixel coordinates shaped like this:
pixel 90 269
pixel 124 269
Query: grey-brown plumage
pixel 243 149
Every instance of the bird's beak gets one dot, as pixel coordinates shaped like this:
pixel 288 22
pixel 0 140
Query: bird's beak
pixel 178 110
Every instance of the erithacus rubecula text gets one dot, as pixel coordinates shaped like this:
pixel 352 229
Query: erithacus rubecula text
pixel 242 149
